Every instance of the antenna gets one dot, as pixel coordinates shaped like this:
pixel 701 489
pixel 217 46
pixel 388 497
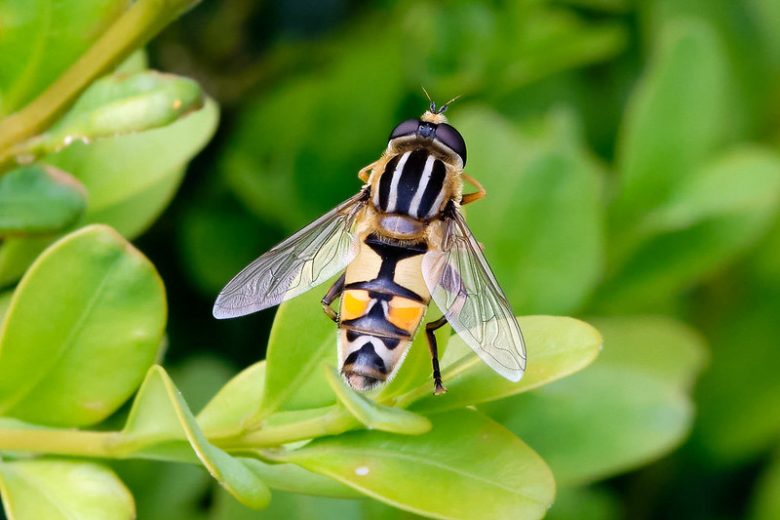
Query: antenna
pixel 433 105
pixel 448 103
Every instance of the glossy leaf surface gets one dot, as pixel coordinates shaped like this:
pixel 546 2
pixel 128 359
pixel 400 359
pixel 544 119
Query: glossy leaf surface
pixel 63 490
pixel 41 38
pixel 88 305
pixel 498 477
pixel 120 104
pixel 641 376
pixel 131 178
pixel 557 347
pixel 37 199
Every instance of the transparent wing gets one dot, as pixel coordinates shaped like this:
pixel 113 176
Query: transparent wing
pixel 303 261
pixel 465 289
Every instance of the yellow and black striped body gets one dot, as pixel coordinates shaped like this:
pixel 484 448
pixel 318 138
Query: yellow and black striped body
pixel 383 303
pixel 385 296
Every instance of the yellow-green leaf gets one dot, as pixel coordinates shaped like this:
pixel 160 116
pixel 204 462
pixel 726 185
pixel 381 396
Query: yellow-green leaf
pixel 54 489
pixel 81 330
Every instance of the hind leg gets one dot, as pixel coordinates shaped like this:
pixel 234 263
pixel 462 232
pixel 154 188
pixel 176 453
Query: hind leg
pixel 334 292
pixel 438 387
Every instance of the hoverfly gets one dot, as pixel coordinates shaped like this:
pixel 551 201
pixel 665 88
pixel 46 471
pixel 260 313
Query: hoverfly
pixel 400 242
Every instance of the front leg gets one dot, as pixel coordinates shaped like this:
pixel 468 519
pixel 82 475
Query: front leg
pixel 334 292
pixel 471 197
pixel 365 173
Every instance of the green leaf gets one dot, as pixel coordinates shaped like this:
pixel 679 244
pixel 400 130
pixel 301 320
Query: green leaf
pixel 546 194
pixel 228 411
pixel 712 216
pixel 289 477
pixel 478 48
pixel 666 348
pixel 677 117
pixel 287 505
pixel 585 503
pixel 556 346
pixel 41 38
pixel 766 500
pixel 39 199
pixel 89 304
pixel 619 6
pixel 628 408
pixel 302 338
pixel 131 178
pixel 741 385
pixel 16 255
pixel 743 180
pixel 121 104
pixel 375 416
pixel 498 476
pixel 766 14
pixel 160 415
pixel 5 302
pixel 63 490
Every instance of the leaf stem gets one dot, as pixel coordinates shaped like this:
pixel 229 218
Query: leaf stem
pixel 119 445
pixel 61 442
pixel 142 21
pixel 333 423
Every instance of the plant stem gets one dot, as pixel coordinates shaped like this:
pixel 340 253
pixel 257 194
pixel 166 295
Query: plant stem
pixel 142 21
pixel 335 422
pixel 60 442
pixel 118 445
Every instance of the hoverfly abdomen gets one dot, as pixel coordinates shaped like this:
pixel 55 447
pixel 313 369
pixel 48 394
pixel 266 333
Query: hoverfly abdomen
pixel 383 303
pixel 372 359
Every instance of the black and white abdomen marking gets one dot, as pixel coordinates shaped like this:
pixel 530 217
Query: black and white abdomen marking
pixel 412 184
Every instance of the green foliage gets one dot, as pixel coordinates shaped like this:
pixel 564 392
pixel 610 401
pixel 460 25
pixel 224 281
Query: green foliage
pixel 116 282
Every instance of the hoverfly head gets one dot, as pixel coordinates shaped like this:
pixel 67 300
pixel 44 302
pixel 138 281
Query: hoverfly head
pixel 432 127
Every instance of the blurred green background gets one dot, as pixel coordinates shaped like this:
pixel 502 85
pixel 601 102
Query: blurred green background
pixel 630 153
pixel 629 150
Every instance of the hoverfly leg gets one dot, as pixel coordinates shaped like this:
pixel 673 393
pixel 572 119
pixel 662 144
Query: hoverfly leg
pixel 471 197
pixel 438 387
pixel 334 292
pixel 365 172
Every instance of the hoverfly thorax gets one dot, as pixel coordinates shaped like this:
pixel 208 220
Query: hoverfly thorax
pixel 400 243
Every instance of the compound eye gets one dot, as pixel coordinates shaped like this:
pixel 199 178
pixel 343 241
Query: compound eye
pixel 408 127
pixel 451 138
